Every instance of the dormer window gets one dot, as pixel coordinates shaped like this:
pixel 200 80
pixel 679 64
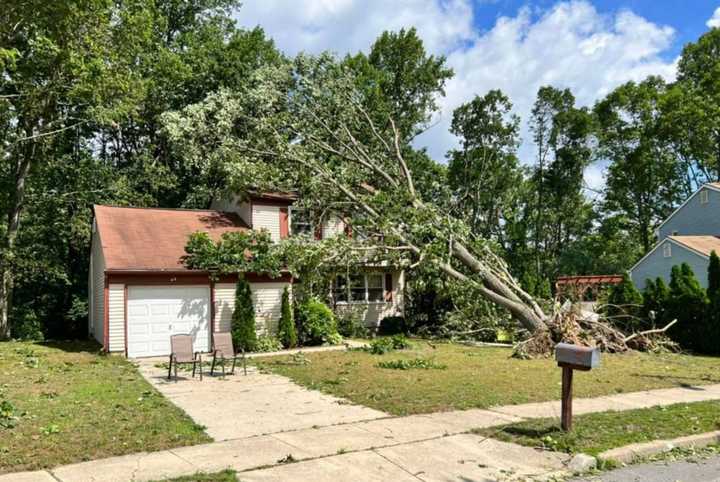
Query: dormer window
pixel 667 250
pixel 704 196
pixel 300 222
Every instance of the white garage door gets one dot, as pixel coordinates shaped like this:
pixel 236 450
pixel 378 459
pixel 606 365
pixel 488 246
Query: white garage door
pixel 156 312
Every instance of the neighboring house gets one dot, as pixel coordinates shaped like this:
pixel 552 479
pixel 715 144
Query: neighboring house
pixel 140 292
pixel 689 235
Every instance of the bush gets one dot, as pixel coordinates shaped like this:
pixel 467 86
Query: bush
pixel 688 304
pixel 266 343
pixel 350 324
pixel 316 323
pixel 25 325
pixel 392 325
pixel 286 328
pixel 655 298
pixel 625 305
pixel 381 346
pixel 422 363
pixel 243 318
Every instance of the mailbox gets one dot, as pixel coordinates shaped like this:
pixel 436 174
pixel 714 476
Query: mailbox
pixel 577 357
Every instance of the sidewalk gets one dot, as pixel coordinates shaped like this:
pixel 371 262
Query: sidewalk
pixel 418 447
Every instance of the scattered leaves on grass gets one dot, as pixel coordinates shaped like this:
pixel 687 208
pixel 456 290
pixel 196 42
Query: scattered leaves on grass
pixel 415 363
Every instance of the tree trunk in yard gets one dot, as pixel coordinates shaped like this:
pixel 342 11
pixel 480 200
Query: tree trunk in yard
pixel 7 260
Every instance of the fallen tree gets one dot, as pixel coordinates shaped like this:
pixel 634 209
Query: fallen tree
pixel 306 128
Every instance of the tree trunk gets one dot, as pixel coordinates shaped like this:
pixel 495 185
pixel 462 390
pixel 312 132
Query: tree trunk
pixel 6 264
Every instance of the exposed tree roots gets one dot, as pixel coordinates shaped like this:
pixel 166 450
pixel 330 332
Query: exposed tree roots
pixel 571 325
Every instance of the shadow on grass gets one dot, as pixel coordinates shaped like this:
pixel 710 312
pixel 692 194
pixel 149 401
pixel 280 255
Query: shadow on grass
pixel 678 380
pixel 73 346
pixel 532 432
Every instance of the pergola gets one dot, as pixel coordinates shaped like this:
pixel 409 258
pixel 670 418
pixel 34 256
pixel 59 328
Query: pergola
pixel 584 288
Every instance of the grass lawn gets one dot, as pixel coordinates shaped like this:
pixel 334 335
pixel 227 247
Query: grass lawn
pixel 478 377
pixel 597 432
pixel 68 404
pixel 224 476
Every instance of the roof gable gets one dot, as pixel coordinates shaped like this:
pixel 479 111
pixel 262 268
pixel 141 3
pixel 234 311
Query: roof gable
pixel 715 186
pixel 141 239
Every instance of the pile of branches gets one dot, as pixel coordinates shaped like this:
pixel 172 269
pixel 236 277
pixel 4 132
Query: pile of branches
pixel 569 324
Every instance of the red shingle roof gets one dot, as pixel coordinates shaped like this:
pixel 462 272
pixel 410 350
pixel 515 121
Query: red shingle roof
pixel 154 239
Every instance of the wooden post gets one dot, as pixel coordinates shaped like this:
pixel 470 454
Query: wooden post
pixel 566 417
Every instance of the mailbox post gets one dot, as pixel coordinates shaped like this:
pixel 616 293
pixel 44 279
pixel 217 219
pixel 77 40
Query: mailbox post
pixel 569 358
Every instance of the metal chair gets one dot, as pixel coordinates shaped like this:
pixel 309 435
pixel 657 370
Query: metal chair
pixel 223 350
pixel 181 351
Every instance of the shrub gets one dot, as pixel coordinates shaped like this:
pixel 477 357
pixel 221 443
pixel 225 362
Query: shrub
pixel 392 325
pixel 266 343
pixel 350 324
pixel 710 331
pixel 688 304
pixel 713 276
pixel 317 323
pixel 625 304
pixel 422 363
pixel 655 298
pixel 381 346
pixel 25 325
pixel 243 318
pixel 286 328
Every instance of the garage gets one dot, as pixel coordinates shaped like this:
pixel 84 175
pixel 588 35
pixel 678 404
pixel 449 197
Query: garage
pixel 154 313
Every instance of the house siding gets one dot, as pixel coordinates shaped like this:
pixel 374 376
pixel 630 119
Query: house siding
pixel 116 317
pixel 267 300
pixel 234 205
pixel 656 265
pixel 267 217
pixel 372 313
pixel 694 218
pixel 332 227
pixel 224 306
pixel 97 290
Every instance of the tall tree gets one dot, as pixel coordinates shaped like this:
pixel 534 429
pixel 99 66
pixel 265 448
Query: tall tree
pixel 557 212
pixel 400 81
pixel 694 107
pixel 643 180
pixel 484 173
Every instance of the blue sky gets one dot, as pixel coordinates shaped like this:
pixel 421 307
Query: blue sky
pixel 589 46
pixel 687 17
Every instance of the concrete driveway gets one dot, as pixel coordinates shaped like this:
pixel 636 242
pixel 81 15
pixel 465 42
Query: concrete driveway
pixel 240 406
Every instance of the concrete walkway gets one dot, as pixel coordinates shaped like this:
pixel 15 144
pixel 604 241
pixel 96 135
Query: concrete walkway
pixel 418 447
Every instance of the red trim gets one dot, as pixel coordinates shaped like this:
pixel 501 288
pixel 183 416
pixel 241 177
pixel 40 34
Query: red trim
pixel 188 278
pixel 271 202
pixel 125 313
pixel 388 287
pixel 348 231
pixel 212 313
pixel 106 315
pixel 284 228
pixel 319 232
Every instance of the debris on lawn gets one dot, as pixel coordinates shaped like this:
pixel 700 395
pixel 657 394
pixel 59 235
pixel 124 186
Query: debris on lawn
pixel 570 324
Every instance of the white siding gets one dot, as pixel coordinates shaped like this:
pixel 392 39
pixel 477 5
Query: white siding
pixel 332 227
pixel 267 300
pixel 116 317
pixel 373 312
pixel 267 217
pixel 96 290
pixel 224 305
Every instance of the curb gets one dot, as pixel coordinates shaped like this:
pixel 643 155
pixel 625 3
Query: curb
pixel 629 453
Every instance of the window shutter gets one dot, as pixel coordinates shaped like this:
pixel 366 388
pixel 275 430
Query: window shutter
pixel 388 287
pixel 284 228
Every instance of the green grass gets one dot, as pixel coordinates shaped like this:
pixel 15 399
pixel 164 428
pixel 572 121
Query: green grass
pixel 480 377
pixel 224 476
pixel 597 432
pixel 70 404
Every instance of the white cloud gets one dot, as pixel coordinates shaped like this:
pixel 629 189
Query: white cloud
pixel 714 21
pixel 569 45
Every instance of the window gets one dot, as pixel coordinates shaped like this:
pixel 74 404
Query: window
pixel 375 287
pixel 300 222
pixel 667 250
pixel 704 196
pixel 361 288
pixel 340 289
pixel 357 287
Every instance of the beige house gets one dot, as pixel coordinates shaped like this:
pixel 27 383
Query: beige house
pixel 140 292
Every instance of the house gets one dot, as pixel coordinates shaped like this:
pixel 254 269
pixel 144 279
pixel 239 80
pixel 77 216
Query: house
pixel 689 235
pixel 140 292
